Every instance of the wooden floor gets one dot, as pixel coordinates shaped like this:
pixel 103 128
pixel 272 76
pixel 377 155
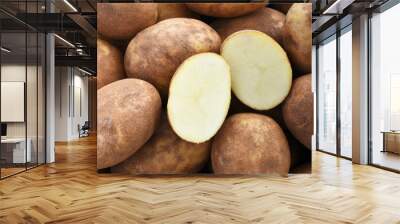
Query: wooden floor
pixel 5 172
pixel 70 191
pixel 8 171
pixel 387 159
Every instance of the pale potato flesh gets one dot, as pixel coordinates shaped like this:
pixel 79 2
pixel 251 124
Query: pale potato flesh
pixel 260 69
pixel 199 97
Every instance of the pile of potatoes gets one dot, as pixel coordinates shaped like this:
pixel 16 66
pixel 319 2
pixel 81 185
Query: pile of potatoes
pixel 220 88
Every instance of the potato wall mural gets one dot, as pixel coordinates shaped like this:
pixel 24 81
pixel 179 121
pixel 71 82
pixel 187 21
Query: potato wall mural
pixel 214 88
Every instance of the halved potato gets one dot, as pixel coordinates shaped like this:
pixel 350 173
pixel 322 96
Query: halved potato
pixel 260 68
pixel 199 97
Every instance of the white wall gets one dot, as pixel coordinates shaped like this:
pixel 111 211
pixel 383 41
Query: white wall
pixel 13 100
pixel 9 73
pixel 16 72
pixel 62 81
pixel 70 83
pixel 81 103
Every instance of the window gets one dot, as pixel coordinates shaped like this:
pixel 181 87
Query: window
pixel 385 89
pixel 346 75
pixel 22 76
pixel 327 96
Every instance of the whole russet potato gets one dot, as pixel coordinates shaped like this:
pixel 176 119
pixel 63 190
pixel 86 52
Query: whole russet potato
pixel 266 20
pixel 225 10
pixel 110 65
pixel 166 153
pixel 156 52
pixel 121 21
pixel 298 110
pixel 128 113
pixel 250 143
pixel 174 10
pixel 298 36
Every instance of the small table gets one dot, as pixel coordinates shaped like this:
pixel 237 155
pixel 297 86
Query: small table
pixel 391 141
pixel 17 152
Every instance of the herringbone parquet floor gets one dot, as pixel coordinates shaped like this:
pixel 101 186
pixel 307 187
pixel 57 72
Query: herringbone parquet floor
pixel 70 191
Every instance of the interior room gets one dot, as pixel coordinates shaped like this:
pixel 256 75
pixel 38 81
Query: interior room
pixel 50 81
pixel 27 141
pixel 22 103
pixel 334 56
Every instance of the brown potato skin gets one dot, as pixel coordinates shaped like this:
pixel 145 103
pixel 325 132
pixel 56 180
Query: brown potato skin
pixel 156 52
pixel 250 143
pixel 266 20
pixel 175 10
pixel 166 153
pixel 299 154
pixel 281 7
pixel 128 113
pixel 121 21
pixel 298 36
pixel 298 110
pixel 110 66
pixel 225 10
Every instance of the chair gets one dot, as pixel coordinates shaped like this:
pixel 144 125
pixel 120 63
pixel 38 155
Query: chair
pixel 84 130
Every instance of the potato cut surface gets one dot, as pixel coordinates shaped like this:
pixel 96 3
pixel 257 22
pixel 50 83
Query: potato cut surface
pixel 260 69
pixel 199 97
